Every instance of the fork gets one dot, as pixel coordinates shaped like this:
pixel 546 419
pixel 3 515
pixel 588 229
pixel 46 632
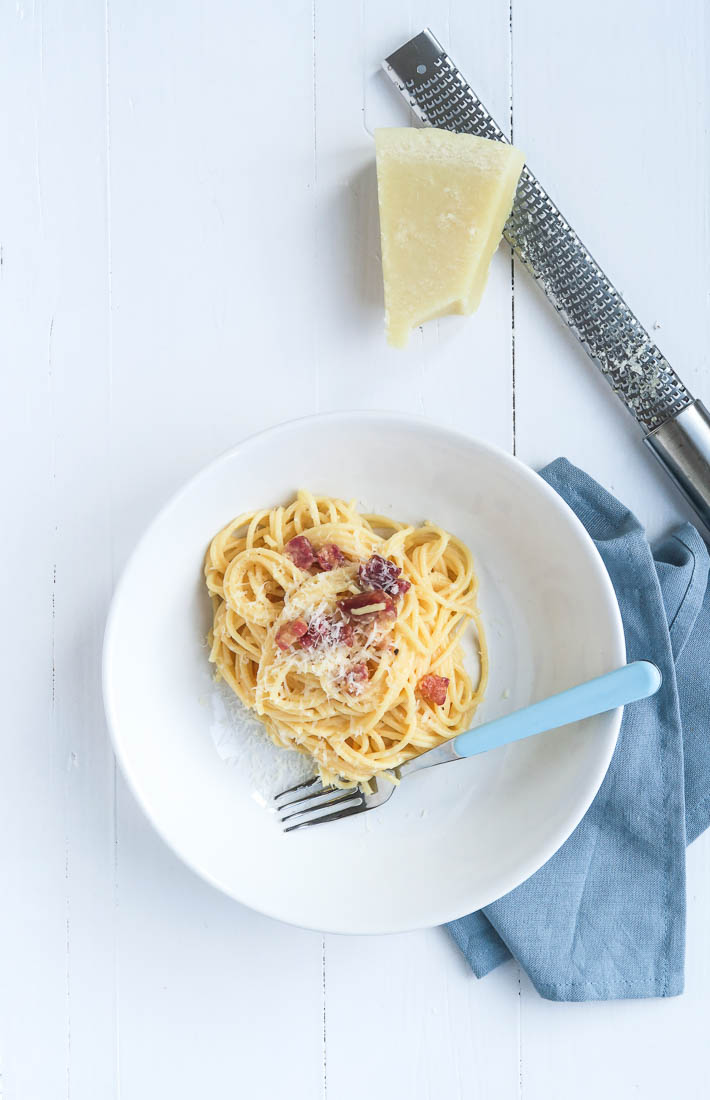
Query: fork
pixel 314 804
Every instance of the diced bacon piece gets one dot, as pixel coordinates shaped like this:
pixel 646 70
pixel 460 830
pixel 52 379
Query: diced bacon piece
pixel 378 572
pixel 434 688
pixel 328 630
pixel 313 637
pixel 320 632
pixel 288 634
pixel 366 605
pixel 382 574
pixel 300 551
pixel 330 556
pixel 356 678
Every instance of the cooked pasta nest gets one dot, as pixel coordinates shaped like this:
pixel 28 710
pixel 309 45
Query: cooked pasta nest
pixel 359 700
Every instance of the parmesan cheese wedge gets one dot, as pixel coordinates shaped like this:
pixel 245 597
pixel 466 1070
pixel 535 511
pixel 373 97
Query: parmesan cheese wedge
pixel 444 199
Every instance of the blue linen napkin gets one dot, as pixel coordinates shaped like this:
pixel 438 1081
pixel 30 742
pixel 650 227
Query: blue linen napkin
pixel 605 917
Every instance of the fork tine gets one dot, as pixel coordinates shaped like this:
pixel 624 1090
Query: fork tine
pixel 345 796
pixel 307 797
pixel 298 787
pixel 361 808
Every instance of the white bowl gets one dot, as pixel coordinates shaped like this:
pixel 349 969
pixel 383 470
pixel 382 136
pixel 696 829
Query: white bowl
pixel 451 840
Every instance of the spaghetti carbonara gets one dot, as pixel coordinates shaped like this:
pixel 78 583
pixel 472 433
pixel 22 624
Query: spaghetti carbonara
pixel 342 632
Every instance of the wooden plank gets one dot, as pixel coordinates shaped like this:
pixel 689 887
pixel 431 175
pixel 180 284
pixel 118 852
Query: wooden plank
pixel 412 995
pixel 57 1003
pixel 212 219
pixel 610 108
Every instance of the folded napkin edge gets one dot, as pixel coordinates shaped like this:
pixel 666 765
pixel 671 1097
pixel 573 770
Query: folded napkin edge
pixel 672 986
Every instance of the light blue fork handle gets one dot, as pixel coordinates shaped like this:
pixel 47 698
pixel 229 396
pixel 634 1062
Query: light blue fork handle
pixel 635 681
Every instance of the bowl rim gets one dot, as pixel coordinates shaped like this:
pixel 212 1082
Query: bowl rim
pixel 594 779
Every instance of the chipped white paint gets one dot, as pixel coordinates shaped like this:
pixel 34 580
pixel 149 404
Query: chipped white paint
pixel 158 171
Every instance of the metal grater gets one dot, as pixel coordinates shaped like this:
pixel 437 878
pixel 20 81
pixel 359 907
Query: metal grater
pixel 677 427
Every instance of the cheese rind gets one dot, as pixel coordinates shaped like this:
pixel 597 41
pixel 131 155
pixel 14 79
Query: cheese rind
pixel 444 199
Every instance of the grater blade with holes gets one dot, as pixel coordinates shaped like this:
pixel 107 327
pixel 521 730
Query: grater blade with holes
pixel 676 426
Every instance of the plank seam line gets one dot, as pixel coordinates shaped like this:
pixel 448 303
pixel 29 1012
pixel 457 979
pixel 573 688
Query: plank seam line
pixel 325 1047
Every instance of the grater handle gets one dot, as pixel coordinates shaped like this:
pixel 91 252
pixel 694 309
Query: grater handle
pixel 682 446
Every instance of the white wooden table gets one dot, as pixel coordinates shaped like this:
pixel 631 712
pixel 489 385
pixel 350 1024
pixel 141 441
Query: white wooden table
pixel 189 252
